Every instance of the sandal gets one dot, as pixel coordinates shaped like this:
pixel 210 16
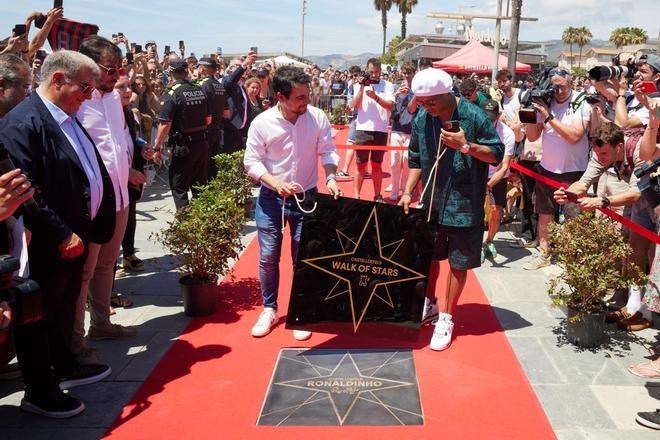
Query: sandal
pixel 118 300
pixel 617 315
pixel 647 370
pixel 132 263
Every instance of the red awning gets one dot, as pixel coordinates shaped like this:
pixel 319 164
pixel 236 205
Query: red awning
pixel 474 57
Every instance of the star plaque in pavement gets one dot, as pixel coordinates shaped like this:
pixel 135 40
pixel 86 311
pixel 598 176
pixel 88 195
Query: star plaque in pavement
pixel 343 387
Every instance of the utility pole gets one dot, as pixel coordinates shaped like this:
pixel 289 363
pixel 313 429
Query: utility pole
pixel 302 43
pixel 513 38
pixel 496 46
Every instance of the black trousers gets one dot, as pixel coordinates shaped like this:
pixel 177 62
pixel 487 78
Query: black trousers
pixel 234 139
pixel 128 242
pixel 48 342
pixel 215 145
pixel 530 219
pixel 189 168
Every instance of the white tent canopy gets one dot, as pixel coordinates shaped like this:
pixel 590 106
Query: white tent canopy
pixel 284 60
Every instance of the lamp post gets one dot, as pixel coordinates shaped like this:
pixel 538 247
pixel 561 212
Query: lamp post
pixel 302 43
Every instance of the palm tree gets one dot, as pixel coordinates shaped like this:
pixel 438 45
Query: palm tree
pixel 583 37
pixel 405 7
pixel 627 35
pixel 569 37
pixel 383 6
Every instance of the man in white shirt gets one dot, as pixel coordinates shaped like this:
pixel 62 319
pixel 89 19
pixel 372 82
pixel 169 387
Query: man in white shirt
pixel 563 130
pixel 497 177
pixel 103 118
pixel 283 147
pixel 373 103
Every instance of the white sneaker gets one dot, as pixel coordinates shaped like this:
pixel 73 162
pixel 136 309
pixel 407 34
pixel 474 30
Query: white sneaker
pixel 267 319
pixel 442 333
pixel 301 335
pixel 389 188
pixel 430 311
pixel 538 262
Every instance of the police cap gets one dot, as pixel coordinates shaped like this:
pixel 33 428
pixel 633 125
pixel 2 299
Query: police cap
pixel 178 65
pixel 209 62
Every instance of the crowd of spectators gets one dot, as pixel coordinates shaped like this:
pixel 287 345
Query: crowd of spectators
pixel 117 95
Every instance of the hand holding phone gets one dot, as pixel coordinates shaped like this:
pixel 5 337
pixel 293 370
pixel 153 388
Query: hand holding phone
pixel 648 87
pixel 451 126
pixel 57 3
pixel 254 49
pixel 19 29
pixel 167 50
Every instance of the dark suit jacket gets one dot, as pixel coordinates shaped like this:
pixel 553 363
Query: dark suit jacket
pixel 235 100
pixel 38 146
pixel 138 161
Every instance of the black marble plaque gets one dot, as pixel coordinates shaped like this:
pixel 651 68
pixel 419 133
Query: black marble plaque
pixel 342 387
pixel 361 269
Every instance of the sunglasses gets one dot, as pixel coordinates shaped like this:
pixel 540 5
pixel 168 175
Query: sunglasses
pixel 113 69
pixel 559 72
pixel 84 88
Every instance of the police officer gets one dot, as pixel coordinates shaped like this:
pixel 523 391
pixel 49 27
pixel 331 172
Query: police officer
pixel 217 97
pixel 186 114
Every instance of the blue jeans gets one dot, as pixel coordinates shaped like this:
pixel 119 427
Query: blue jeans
pixel 269 231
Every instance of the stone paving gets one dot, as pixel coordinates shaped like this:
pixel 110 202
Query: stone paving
pixel 587 394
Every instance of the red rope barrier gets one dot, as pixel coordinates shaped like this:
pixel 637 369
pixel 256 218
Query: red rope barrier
pixel 371 147
pixel 655 238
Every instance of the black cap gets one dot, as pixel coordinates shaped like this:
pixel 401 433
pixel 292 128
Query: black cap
pixel 208 61
pixel 178 65
pixel 492 108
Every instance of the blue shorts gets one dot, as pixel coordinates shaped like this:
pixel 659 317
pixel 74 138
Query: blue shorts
pixel 351 132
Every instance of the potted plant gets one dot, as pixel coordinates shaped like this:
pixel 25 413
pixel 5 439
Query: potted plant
pixel 205 235
pixel 594 259
pixel 232 177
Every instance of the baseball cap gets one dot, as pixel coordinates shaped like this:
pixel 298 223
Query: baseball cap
pixel 178 65
pixel 654 61
pixel 492 108
pixel 149 42
pixel 431 82
pixel 208 61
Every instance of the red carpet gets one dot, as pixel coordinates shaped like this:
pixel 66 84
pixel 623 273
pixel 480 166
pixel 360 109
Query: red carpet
pixel 212 382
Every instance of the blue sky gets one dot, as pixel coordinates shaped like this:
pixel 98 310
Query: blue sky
pixel 347 27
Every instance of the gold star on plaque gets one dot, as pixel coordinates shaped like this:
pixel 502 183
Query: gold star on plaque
pixel 367 268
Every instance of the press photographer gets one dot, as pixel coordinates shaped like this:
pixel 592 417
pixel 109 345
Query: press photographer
pixel 562 119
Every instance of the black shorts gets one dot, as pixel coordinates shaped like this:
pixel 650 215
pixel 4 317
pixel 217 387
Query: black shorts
pixel 370 138
pixel 461 246
pixel 545 202
pixel 499 192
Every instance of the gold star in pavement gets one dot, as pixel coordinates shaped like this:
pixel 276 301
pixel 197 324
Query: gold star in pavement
pixel 364 269
pixel 345 385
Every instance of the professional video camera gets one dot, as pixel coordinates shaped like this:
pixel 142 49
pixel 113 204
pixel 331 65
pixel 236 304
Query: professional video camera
pixel 649 186
pixel 542 91
pixel 23 296
pixel 616 70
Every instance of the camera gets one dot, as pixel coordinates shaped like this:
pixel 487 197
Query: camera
pixel 649 186
pixel 366 79
pixel 542 91
pixel 23 296
pixel 616 70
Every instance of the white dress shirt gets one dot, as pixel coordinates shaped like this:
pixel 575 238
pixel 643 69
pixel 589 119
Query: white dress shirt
pixel 103 118
pixel 84 150
pixel 289 152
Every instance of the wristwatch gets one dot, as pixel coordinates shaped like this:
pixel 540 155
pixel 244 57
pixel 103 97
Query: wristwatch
pixel 549 118
pixel 605 202
pixel 465 149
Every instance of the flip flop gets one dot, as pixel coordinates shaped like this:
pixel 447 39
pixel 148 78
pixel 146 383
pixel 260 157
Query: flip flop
pixel 120 301
pixel 647 370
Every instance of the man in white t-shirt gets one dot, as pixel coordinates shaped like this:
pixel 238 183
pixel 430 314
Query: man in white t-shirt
pixel 563 131
pixel 507 95
pixel 497 177
pixel 373 103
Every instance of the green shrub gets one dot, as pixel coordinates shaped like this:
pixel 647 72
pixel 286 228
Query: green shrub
pixel 594 259
pixel 232 177
pixel 206 233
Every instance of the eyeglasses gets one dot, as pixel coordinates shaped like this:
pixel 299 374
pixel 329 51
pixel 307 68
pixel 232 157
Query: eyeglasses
pixel 84 88
pixel 112 69
pixel 559 72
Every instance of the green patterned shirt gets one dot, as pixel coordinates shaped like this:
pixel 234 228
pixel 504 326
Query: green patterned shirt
pixel 460 187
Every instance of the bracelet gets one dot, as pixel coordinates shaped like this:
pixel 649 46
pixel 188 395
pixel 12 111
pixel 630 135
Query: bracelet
pixel 406 194
pixel 330 177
